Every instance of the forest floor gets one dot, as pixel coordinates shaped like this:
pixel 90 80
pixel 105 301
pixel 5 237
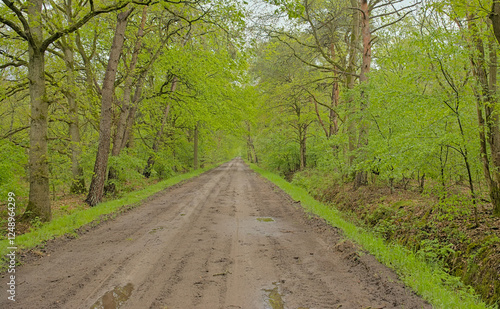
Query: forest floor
pixel 225 239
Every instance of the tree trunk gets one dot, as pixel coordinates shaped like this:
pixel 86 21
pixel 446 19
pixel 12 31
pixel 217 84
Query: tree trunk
pixel 249 151
pixel 421 183
pixel 39 194
pixel 128 138
pixel 195 159
pixel 334 126
pixel 321 123
pixel 486 101
pixel 351 79
pixel 67 46
pixel 495 19
pixel 252 154
pixel 303 145
pixel 101 163
pixel 249 141
pixel 361 176
pixel 89 76
pixel 125 108
pixel 255 153
pixel 78 183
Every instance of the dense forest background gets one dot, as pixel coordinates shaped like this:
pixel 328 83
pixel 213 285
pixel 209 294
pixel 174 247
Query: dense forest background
pixel 358 101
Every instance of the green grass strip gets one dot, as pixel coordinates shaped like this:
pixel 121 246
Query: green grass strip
pixel 434 285
pixel 70 223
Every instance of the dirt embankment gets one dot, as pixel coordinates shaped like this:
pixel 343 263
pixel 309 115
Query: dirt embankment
pixel 226 239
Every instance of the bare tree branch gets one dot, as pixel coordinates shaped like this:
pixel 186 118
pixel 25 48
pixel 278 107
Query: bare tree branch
pixel 77 25
pixel 392 23
pixel 14 131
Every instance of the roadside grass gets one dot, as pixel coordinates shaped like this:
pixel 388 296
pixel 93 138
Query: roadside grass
pixel 70 223
pixel 433 284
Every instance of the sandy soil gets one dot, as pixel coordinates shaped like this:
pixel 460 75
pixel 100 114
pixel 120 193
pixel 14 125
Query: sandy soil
pixel 210 243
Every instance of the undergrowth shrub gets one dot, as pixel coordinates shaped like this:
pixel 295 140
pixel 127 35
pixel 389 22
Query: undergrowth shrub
pixel 128 170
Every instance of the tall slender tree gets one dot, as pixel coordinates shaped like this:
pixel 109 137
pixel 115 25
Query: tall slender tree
pixel 96 189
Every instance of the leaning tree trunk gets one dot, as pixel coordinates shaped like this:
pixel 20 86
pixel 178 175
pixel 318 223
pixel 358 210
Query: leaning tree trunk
pixel 39 198
pixel 101 163
pixel 125 109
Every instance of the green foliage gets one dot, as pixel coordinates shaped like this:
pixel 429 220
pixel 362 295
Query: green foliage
pixel 434 252
pixel 13 161
pixel 314 181
pixel 283 154
pixel 454 206
pixel 127 166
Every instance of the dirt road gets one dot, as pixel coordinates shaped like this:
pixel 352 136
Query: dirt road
pixel 226 239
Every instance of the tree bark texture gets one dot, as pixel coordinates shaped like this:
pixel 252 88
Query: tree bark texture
pixel 486 103
pixel 351 79
pixel 78 183
pixel 495 19
pixel 334 126
pixel 127 90
pixel 303 145
pixel 334 122
pixel 128 138
pixel 39 198
pixel 125 107
pixel 195 159
pixel 251 153
pixel 101 163
pixel 361 176
pixel 321 123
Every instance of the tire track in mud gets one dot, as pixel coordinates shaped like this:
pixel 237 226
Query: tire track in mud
pixel 201 245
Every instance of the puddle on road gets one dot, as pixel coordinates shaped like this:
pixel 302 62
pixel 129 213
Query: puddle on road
pixel 265 219
pixel 115 298
pixel 274 298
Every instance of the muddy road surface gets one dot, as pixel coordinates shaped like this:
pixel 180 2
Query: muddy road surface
pixel 226 239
